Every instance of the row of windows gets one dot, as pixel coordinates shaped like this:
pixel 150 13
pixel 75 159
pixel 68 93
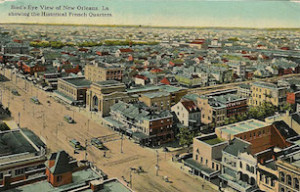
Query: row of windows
pixel 206 162
pixel 254 134
pixel 267 180
pixel 289 181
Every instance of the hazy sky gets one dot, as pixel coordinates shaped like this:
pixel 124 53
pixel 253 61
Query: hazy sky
pixel 247 13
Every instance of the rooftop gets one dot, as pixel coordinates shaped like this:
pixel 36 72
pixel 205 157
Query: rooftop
pixel 267 85
pixel 243 126
pixel 156 94
pixel 108 83
pixel 19 141
pixel 78 82
pixel 79 179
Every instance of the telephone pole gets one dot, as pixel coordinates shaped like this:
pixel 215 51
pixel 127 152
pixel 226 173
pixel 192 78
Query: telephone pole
pixel 122 143
pixel 157 166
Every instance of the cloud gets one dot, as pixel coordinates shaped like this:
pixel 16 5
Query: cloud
pixel 2 1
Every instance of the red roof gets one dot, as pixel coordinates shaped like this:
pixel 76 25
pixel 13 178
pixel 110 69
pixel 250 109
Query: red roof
pixel 126 50
pixel 156 70
pixel 165 81
pixel 141 77
pixel 190 106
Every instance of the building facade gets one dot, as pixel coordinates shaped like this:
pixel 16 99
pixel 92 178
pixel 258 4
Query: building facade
pixel 73 89
pixel 157 100
pixel 102 95
pixel 267 92
pixel 103 71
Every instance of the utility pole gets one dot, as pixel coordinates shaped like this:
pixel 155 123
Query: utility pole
pixel 19 115
pixel 131 177
pixel 122 143
pixel 85 150
pixel 157 166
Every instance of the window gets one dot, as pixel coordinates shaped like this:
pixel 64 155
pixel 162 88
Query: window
pixel 196 157
pixel 289 180
pixel 247 167
pixel 296 183
pixel 241 165
pixel 217 167
pixel 213 165
pixel 282 190
pixel 58 178
pixel 1 175
pixel 206 162
pixel 201 160
pixel 282 177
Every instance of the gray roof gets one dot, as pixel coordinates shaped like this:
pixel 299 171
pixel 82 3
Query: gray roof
pixel 79 82
pixel 62 164
pixel 137 112
pixel 237 146
pixel 14 142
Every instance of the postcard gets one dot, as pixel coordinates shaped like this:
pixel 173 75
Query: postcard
pixel 149 95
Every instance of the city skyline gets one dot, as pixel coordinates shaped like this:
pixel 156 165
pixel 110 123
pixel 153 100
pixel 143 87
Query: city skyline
pixel 244 14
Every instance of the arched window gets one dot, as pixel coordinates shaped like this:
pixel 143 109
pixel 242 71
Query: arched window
pixel 289 180
pixel 282 190
pixel 252 169
pixel 296 183
pixel 282 177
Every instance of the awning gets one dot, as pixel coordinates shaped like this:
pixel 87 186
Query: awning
pixel 139 136
pixel 64 97
pixel 190 162
pixel 116 124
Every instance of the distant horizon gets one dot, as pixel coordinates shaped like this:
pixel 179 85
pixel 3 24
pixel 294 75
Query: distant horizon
pixel 258 14
pixel 149 26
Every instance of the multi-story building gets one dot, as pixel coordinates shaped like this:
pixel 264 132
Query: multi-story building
pixel 160 100
pixel 103 71
pixel 235 105
pixel 238 166
pixel 15 48
pixel 147 126
pixel 188 114
pixel 267 176
pixel 244 90
pixel 72 89
pixel 212 113
pixel 102 95
pixel 22 157
pixel 267 92
pixel 207 156
pixel 289 172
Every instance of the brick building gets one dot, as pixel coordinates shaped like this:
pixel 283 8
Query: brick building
pixel 146 126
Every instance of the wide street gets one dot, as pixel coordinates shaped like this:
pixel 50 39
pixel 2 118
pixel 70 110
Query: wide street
pixel 47 121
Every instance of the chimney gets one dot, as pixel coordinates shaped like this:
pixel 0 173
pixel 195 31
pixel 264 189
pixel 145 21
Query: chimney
pixel 6 180
pixel 96 185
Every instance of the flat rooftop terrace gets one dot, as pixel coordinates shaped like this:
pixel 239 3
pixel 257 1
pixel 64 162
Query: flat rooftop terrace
pixel 79 179
pixel 243 126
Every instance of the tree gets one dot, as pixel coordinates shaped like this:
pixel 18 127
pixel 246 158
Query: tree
pixel 185 136
pixel 3 127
